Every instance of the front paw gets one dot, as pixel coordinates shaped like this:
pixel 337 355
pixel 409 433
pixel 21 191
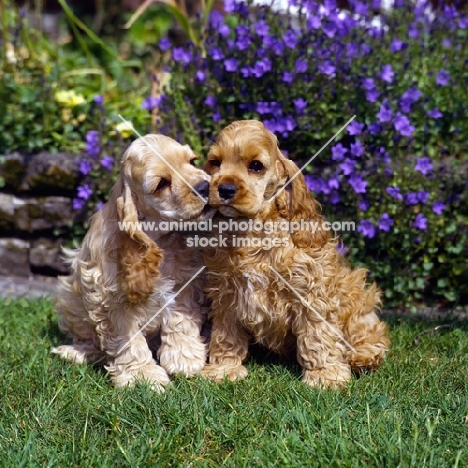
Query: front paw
pixel 187 359
pixel 153 374
pixel 218 372
pixel 335 377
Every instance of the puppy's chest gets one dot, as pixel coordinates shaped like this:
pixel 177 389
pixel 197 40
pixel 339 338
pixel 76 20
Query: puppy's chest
pixel 262 310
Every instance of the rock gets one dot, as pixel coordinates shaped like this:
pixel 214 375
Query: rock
pixel 12 169
pixel 52 173
pixel 7 212
pixel 45 253
pixel 35 214
pixel 14 258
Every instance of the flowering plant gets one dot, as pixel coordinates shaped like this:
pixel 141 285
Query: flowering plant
pixel 397 169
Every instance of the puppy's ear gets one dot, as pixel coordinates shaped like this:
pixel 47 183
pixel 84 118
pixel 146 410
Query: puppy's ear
pixel 138 257
pixel 297 205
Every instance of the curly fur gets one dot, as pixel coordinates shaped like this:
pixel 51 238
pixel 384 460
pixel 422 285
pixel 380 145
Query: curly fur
pixel 112 304
pixel 330 324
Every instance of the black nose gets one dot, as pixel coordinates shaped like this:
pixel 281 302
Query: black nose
pixel 227 191
pixel 203 188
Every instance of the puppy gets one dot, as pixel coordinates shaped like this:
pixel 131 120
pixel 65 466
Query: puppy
pixel 119 297
pixel 294 293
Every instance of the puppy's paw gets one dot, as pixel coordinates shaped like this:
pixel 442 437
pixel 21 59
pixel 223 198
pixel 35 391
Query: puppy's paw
pixel 219 371
pixel 78 353
pixel 335 377
pixel 153 374
pixel 187 358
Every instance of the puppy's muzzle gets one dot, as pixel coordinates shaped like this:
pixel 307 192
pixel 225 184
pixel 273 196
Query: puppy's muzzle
pixel 203 188
pixel 227 191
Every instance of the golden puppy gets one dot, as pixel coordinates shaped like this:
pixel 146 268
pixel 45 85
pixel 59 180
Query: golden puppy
pixel 294 293
pixel 130 265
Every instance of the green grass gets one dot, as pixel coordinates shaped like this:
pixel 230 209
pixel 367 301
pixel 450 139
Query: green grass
pixel 52 413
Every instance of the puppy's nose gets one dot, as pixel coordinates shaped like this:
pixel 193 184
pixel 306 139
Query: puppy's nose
pixel 227 191
pixel 203 188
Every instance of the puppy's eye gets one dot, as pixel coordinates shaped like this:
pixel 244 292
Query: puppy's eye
pixel 163 183
pixel 214 162
pixel 256 166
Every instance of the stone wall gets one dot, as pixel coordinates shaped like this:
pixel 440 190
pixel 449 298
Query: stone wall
pixel 36 211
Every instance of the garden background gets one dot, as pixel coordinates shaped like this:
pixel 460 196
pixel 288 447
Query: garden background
pixel 400 171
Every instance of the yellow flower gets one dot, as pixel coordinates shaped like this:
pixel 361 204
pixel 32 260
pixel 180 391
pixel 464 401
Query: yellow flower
pixel 69 98
pixel 124 128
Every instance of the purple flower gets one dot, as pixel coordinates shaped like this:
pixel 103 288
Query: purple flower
pixel 261 67
pixel 341 249
pixel 216 116
pixel 443 77
pixel 334 198
pixel 300 105
pixel 99 206
pixel 413 94
pixel 287 77
pixel 385 222
pixel 463 22
pixel 210 101
pixel 357 149
pixel 412 198
pixel 334 183
pixel 314 22
pixel 246 72
pixel 435 113
pixel 84 191
pixel 217 53
pixel 347 166
pixel 446 43
pixel 78 203
pixel 438 207
pixel 385 113
pixel 375 128
pixel 151 102
pixel 387 73
pixel 366 228
pixel 261 28
pixel 107 163
pixel 368 83
pixel 423 196
pixel 243 42
pixel 179 54
pixel 355 128
pixel 315 184
pixel 423 165
pixel 85 167
pixel 394 192
pixel 93 144
pixel 338 152
pixel 231 64
pixel 327 68
pixel 413 32
pixel 402 125
pixel 290 39
pixel 363 204
pixel 397 45
pixel 165 44
pixel 329 29
pixel 263 108
pixel 357 183
pixel 224 30
pixel 99 100
pixel 300 66
pixel 372 95
pixel 200 76
pixel 420 222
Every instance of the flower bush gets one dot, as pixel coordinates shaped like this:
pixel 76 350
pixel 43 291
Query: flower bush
pixel 398 170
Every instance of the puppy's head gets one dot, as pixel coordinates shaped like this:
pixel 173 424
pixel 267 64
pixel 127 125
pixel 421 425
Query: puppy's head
pixel 164 181
pixel 248 173
pixel 243 164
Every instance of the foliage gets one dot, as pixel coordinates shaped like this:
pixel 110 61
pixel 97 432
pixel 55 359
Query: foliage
pixel 398 170
pixel 410 413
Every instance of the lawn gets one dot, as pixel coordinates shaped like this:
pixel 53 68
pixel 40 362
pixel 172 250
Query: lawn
pixel 412 412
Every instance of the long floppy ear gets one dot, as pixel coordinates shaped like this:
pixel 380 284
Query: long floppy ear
pixel 297 205
pixel 138 257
